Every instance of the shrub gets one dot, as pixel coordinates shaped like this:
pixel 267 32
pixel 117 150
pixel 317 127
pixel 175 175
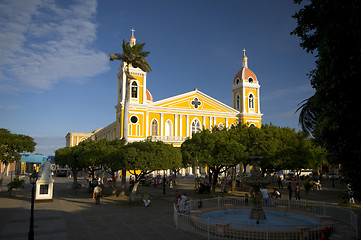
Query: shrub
pixel 16 184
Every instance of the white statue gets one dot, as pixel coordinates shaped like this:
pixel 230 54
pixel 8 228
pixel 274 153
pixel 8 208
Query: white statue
pixel 45 171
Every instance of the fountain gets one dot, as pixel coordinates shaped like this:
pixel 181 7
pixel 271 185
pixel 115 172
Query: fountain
pixel 256 181
pixel 279 219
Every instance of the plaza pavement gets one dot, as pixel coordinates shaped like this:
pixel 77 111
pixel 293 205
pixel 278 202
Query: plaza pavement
pixel 73 214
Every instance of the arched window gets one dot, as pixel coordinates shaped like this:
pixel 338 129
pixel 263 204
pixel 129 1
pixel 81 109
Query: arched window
pixel 134 89
pixel 154 128
pixel 251 101
pixel 168 128
pixel 220 126
pixel 196 126
pixel 238 102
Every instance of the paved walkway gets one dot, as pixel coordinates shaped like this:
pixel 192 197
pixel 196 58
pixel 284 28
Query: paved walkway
pixel 73 215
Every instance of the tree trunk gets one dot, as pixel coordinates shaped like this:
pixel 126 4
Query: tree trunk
pixel 233 178
pixel 114 185
pixel 134 190
pixel 214 180
pixel 3 172
pixel 209 176
pixel 124 181
pixel 75 177
pixel 126 106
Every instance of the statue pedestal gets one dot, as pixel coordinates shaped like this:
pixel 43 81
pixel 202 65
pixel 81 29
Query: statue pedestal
pixel 44 189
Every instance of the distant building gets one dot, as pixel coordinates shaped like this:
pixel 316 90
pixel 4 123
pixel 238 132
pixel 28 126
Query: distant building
pixel 27 164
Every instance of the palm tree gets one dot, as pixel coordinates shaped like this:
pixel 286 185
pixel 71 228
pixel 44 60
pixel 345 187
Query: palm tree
pixel 134 56
pixel 308 112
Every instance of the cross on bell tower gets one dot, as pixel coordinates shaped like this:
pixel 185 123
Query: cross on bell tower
pixel 132 39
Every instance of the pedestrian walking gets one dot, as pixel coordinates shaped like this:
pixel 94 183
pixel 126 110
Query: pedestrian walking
pixel 289 188
pixel 146 199
pixel 96 194
pixel 297 192
pixel 279 182
pixel 182 202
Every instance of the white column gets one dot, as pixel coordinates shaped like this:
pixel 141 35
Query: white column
pixel 258 101
pixel 204 123
pixel 180 125
pixel 187 125
pixel 144 88
pixel 147 125
pixel 210 123
pixel 244 100
pixel 227 123
pixel 215 121
pixel 175 125
pixel 161 125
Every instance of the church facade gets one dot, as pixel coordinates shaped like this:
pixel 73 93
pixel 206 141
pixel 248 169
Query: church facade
pixel 174 119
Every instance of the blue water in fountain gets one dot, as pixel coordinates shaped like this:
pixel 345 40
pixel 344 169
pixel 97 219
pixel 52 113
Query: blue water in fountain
pixel 275 220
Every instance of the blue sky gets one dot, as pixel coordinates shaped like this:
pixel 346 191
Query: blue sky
pixel 56 77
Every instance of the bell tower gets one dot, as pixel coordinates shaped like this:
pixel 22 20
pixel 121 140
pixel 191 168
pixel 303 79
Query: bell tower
pixel 246 95
pixel 137 85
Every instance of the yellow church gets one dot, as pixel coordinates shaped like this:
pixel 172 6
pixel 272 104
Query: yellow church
pixel 174 119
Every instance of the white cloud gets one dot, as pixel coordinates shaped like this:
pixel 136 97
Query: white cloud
pixel 10 106
pixel 283 92
pixel 42 43
pixel 47 145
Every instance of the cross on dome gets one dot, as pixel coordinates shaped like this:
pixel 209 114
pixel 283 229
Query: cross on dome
pixel 132 30
pixel 244 59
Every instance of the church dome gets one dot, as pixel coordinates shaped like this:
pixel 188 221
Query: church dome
pixel 149 96
pixel 245 74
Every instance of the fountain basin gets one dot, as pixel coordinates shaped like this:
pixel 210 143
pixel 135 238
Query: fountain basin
pixel 275 220
pixel 280 223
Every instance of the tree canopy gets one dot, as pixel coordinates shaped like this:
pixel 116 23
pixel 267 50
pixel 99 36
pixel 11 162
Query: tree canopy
pixel 332 30
pixel 279 148
pixel 217 150
pixel 11 145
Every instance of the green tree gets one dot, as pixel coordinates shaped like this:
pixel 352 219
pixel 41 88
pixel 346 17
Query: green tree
pixel 133 55
pixel 332 30
pixel 297 152
pixel 69 157
pixel 219 150
pixel 90 155
pixel 113 160
pixel 264 142
pixel 11 145
pixel 142 158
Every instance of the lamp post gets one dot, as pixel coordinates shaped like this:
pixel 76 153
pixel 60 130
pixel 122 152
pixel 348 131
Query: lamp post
pixel 33 178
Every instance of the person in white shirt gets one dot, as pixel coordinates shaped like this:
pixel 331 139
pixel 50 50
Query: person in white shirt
pixel 182 202
pixel 264 192
pixel 96 194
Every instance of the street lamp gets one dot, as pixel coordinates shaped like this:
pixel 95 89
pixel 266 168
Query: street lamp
pixel 33 178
